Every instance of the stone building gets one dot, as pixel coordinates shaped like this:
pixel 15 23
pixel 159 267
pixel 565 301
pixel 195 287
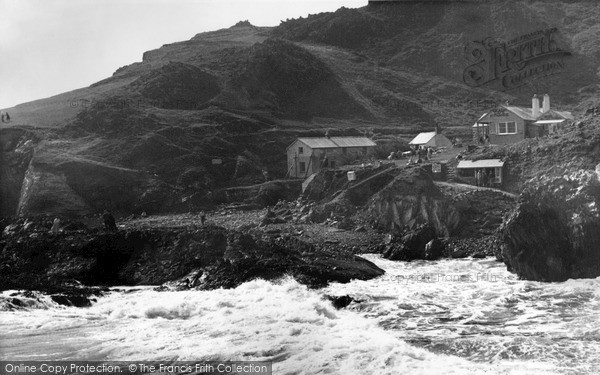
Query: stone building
pixel 309 155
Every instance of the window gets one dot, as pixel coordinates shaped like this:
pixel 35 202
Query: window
pixel 466 172
pixel 507 128
pixel 302 167
pixel 332 164
pixel 344 150
pixel 301 150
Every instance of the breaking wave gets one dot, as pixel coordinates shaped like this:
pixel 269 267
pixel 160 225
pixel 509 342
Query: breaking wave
pixel 446 317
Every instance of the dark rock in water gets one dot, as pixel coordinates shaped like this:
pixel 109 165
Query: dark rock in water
pixel 340 302
pixel 554 234
pixel 74 300
pixel 247 260
pixel 206 258
pixel 434 249
pixel 412 245
pixel 536 244
pixel 66 294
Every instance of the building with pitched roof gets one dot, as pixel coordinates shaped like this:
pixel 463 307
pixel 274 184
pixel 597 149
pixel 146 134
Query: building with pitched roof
pixel 507 124
pixel 308 155
pixel 431 139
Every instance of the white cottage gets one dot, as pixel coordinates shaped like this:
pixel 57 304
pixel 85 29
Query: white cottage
pixel 431 139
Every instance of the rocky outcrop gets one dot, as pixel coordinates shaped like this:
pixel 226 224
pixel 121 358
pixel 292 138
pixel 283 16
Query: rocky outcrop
pixel 203 257
pixel 59 184
pixel 411 200
pixel 421 243
pixel 554 233
pixel 393 200
pixel 247 258
pixel 16 150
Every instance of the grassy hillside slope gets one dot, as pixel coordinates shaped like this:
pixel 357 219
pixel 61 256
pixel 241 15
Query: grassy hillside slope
pixel 244 93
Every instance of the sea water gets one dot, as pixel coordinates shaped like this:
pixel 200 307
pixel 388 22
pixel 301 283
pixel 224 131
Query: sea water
pixel 444 317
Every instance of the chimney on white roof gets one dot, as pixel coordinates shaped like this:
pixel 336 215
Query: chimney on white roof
pixel 535 106
pixel 546 103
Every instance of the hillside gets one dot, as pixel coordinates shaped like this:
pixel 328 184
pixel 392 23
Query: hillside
pixel 148 134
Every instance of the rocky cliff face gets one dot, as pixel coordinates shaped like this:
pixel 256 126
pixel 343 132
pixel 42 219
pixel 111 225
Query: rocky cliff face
pixel 16 152
pixel 64 185
pixel 391 199
pixel 554 234
pixel 411 200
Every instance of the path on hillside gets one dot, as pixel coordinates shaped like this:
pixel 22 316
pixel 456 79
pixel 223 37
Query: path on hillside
pixel 472 187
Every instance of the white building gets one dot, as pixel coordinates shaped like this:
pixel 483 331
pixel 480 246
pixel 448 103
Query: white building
pixel 431 139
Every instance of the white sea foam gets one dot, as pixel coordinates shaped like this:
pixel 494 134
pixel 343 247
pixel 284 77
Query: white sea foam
pixel 477 325
pixel 477 310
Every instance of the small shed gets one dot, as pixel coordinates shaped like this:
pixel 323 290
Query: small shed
pixel 493 169
pixel 431 139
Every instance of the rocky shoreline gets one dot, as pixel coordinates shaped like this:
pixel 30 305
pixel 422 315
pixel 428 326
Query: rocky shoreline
pixel 73 263
pixel 403 216
pixel 178 252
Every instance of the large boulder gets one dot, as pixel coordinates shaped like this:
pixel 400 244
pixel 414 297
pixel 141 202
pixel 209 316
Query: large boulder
pixel 554 233
pixel 418 244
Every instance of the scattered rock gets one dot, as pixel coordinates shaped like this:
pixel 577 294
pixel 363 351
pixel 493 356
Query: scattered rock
pixel 340 302
pixel 412 245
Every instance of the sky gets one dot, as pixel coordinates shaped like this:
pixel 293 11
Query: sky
pixel 48 47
